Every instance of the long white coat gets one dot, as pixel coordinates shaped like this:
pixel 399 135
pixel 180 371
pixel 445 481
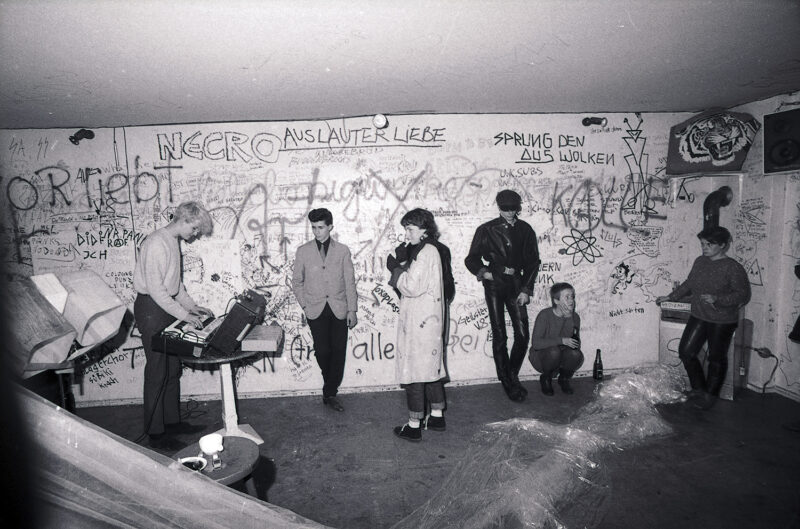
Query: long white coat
pixel 419 355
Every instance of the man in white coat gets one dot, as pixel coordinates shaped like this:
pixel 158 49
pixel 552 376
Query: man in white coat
pixel 324 284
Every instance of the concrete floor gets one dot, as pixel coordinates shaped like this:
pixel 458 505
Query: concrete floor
pixel 732 467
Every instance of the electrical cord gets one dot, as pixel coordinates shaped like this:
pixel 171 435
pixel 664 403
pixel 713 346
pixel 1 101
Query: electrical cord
pixel 228 305
pixel 191 410
pixel 765 353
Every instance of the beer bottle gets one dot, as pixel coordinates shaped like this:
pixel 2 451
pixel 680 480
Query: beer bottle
pixel 597 370
pixel 576 335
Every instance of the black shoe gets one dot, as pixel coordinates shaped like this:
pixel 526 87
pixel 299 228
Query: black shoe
pixel 333 402
pixel 180 428
pixel 514 392
pixel 565 386
pixel 706 401
pixel 694 394
pixel 547 385
pixel 165 443
pixel 408 433
pixel 435 423
pixel 515 382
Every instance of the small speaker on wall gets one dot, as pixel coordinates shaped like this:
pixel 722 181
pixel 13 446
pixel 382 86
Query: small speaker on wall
pixel 782 141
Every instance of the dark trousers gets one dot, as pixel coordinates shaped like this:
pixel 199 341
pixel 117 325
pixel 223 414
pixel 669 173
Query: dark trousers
pixel 558 359
pixel 718 335
pixel 416 394
pixel 330 347
pixel 501 294
pixel 162 372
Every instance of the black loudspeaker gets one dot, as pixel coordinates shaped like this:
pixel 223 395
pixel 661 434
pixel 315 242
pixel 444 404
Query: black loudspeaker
pixel 782 141
pixel 248 311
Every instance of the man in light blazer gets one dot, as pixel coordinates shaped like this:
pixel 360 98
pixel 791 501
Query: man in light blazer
pixel 324 284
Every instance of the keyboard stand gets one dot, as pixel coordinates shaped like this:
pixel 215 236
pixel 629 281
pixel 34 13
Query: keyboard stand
pixel 192 353
pixel 230 418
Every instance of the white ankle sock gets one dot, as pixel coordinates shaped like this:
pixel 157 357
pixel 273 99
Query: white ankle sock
pixel 414 423
pixel 436 413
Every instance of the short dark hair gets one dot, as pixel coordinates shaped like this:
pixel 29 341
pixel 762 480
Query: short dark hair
pixel 557 289
pixel 421 218
pixel 716 235
pixel 316 215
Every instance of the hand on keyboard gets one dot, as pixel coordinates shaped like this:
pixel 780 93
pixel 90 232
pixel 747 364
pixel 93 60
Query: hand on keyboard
pixel 212 326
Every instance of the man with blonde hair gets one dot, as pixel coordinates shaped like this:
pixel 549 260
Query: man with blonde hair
pixel 161 299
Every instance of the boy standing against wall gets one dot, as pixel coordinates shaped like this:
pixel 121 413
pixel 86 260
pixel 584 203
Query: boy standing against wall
pixel 504 256
pixel 161 299
pixel 324 284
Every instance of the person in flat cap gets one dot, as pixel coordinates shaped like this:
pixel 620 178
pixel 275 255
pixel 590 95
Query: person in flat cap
pixel 504 256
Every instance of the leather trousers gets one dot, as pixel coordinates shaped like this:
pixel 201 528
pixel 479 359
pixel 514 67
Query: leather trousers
pixel 695 335
pixel 501 295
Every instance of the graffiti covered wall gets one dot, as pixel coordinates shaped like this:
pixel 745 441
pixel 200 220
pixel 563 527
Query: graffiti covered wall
pixel 607 219
pixel 767 242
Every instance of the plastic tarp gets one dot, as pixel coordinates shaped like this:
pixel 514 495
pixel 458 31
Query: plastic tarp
pixel 87 477
pixel 517 473
pixel 535 474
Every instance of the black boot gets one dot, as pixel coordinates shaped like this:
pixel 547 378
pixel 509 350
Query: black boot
pixel 706 401
pixel 564 383
pixel 515 364
pixel 694 370
pixel 694 394
pixel 518 385
pixel 716 377
pixel 547 385
pixel 514 392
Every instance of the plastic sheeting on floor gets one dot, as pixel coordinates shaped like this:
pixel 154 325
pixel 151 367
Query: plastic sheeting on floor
pixel 517 473
pixel 534 474
pixel 87 477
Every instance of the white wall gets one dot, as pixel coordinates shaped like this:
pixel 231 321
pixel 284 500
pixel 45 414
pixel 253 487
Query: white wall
pixel 768 244
pixel 611 203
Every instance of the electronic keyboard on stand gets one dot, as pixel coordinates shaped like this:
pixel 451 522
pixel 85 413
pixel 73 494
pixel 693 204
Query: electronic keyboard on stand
pixel 219 336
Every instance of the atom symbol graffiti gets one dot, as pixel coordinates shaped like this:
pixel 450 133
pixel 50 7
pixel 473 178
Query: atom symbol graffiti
pixel 580 247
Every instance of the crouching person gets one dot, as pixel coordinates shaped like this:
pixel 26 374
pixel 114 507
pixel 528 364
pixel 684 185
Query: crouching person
pixel 556 348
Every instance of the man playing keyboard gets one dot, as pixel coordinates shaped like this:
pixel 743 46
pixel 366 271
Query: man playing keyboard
pixel 184 330
pixel 161 298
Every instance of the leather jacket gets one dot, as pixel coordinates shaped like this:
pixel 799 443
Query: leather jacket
pixel 489 245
